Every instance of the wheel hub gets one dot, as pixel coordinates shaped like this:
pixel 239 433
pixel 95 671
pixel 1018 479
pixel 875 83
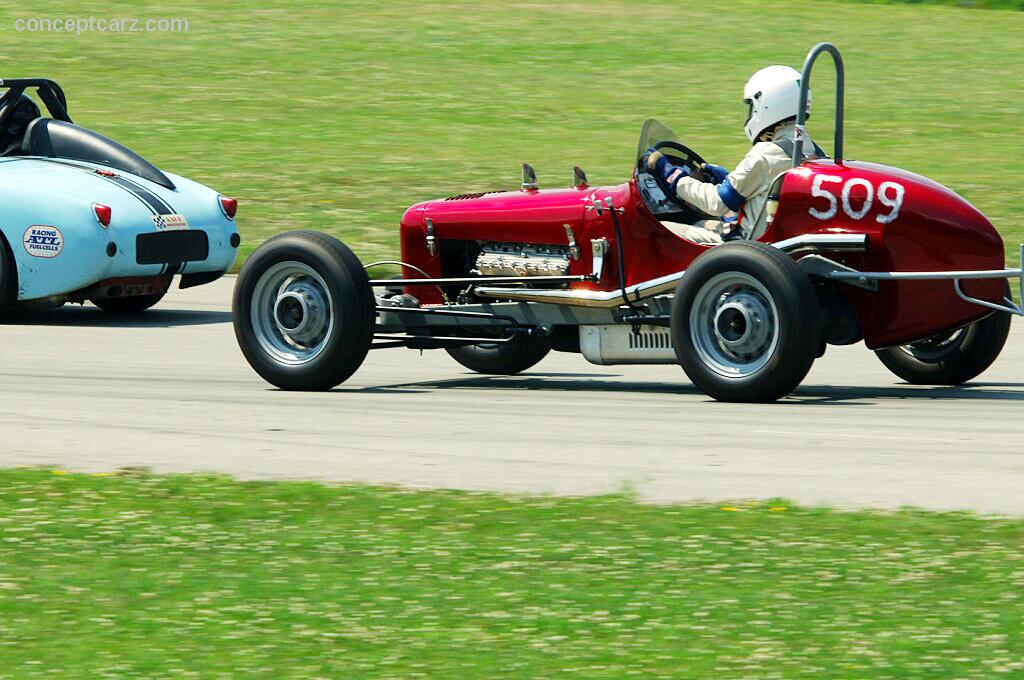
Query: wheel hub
pixel 734 324
pixel 291 312
pixel 740 324
pixel 300 312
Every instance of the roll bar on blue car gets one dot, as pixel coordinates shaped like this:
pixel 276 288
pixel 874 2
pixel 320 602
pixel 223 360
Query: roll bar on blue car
pixel 50 93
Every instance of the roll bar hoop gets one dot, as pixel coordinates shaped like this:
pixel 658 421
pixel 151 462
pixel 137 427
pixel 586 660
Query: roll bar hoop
pixel 805 86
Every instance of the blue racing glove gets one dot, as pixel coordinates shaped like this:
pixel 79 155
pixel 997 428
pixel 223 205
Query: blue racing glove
pixel 716 172
pixel 656 162
pixel 647 157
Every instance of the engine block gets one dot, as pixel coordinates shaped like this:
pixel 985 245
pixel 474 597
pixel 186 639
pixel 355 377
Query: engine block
pixel 522 259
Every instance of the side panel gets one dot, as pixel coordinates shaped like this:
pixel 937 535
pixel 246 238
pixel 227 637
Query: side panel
pixel 650 250
pixel 913 224
pixel 74 253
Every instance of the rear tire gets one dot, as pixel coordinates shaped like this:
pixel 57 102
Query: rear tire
pixel 745 323
pixel 304 312
pixel 951 358
pixel 502 359
pixel 135 304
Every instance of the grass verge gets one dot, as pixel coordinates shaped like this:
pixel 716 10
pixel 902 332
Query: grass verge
pixel 966 4
pixel 171 576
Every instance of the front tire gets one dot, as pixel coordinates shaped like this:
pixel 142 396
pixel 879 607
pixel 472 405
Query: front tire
pixel 951 358
pixel 745 323
pixel 304 312
pixel 506 358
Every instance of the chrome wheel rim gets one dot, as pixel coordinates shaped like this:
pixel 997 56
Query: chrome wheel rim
pixel 734 325
pixel 291 313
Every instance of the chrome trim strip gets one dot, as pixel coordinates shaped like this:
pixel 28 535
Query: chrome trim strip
pixel 607 299
pixel 926 276
pixel 855 243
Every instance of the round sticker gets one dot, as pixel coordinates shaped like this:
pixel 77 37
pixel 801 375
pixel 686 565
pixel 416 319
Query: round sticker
pixel 43 241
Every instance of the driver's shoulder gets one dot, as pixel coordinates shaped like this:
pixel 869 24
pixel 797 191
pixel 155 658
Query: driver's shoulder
pixel 760 152
pixel 767 149
pixel 767 155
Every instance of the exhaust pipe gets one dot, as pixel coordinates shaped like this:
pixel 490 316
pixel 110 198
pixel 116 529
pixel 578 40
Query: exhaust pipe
pixel 603 299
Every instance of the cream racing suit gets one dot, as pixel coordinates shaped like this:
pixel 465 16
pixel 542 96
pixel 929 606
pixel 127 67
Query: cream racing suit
pixel 747 191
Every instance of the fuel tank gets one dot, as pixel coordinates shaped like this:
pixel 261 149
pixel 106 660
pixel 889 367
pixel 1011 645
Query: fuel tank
pixel 913 224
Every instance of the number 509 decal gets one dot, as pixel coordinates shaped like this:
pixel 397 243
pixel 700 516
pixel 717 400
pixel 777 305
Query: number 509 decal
pixel 890 195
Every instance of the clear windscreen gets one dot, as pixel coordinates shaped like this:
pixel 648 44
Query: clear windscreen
pixel 651 191
pixel 652 133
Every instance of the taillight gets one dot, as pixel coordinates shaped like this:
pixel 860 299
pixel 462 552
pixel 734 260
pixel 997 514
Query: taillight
pixel 102 213
pixel 229 206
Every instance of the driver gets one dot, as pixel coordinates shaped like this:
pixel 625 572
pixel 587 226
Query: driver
pixel 772 96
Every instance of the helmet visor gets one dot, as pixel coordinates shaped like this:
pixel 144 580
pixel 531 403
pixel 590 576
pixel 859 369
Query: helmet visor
pixel 750 110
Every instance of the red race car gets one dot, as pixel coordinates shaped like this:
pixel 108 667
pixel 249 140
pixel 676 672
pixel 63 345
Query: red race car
pixel 852 252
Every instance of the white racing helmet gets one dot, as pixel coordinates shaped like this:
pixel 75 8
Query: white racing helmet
pixel 772 95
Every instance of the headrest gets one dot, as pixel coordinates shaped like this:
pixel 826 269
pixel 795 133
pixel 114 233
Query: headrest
pixel 23 110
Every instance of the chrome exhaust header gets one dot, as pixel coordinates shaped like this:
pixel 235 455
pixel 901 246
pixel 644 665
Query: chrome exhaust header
pixel 605 299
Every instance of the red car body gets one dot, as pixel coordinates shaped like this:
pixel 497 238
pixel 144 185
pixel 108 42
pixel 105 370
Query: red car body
pixel 847 251
pixel 935 230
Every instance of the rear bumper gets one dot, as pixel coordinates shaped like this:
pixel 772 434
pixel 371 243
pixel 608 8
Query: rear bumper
pixel 127 254
pixel 194 250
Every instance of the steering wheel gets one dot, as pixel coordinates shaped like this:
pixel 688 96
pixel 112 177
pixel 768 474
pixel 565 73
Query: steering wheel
pixel 691 162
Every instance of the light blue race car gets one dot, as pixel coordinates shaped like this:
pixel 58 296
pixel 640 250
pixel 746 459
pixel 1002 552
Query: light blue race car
pixel 84 218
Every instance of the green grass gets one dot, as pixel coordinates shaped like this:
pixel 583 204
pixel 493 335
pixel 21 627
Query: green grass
pixel 970 4
pixel 338 115
pixel 150 576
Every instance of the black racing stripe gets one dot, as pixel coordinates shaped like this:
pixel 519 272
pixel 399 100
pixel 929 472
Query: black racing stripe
pixel 152 200
pixel 158 204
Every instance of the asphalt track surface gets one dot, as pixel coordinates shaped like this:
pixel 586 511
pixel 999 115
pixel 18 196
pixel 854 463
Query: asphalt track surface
pixel 84 391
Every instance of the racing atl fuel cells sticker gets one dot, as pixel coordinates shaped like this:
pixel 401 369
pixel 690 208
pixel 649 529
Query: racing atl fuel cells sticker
pixel 43 241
